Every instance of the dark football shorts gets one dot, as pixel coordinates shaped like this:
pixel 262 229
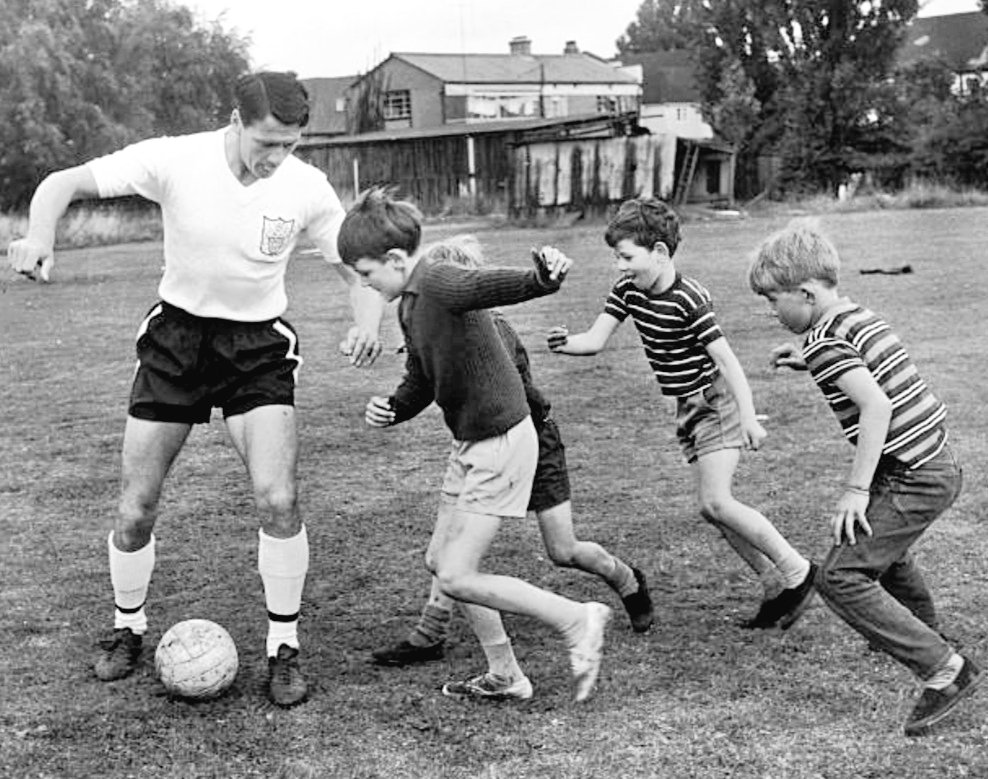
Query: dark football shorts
pixel 188 365
pixel 551 485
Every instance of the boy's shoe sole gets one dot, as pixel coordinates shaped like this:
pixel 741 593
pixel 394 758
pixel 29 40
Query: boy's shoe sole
pixel 639 605
pixel 119 655
pixel 404 653
pixel 490 687
pixel 586 654
pixel 934 705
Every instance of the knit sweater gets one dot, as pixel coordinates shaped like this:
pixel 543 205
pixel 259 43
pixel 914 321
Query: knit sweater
pixel 455 355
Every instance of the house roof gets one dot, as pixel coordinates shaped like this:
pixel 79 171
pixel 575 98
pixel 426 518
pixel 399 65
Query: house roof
pixel 958 40
pixel 580 68
pixel 667 76
pixel 324 119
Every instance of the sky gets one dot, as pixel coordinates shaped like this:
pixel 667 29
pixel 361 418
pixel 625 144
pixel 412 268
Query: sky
pixel 313 38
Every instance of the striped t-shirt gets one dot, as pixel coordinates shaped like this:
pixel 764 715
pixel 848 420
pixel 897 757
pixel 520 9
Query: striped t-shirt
pixel 852 337
pixel 675 326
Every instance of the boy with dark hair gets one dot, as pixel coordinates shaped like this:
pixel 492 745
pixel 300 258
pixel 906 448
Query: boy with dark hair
pixel 693 363
pixel 550 500
pixel 903 475
pixel 456 358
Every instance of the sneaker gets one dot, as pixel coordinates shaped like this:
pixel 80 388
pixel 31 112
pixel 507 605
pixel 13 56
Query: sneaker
pixel 585 655
pixel 286 685
pixel 491 687
pixel 934 705
pixel 785 608
pixel 639 604
pixel 119 654
pixel 405 653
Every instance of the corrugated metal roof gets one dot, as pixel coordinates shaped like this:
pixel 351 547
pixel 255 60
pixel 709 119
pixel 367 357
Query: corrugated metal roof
pixel 577 68
pixel 576 124
pixel 958 40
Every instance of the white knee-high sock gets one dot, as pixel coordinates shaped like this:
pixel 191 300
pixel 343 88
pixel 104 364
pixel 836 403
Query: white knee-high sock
pixel 283 563
pixel 130 575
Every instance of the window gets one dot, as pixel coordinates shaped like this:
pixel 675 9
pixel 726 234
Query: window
pixel 607 104
pixel 398 104
pixel 487 107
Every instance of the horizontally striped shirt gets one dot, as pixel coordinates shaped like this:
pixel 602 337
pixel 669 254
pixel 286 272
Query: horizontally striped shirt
pixel 852 337
pixel 675 326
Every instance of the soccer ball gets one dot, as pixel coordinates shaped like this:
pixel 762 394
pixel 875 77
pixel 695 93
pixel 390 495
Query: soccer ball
pixel 196 659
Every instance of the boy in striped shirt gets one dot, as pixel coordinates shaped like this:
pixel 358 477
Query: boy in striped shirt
pixel 694 364
pixel 903 475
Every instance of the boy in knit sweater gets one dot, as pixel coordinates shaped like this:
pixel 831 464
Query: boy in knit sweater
pixel 457 359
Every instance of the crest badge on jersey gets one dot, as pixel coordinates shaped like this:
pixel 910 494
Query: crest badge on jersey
pixel 276 234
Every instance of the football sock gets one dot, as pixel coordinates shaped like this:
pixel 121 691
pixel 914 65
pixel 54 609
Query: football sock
pixel 947 674
pixel 793 568
pixel 432 627
pixel 283 563
pixel 623 579
pixel 487 626
pixel 130 575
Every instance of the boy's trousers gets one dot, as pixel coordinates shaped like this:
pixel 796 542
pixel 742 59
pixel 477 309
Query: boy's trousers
pixel 875 586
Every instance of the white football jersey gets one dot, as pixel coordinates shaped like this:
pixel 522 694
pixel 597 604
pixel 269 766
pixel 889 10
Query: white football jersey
pixel 226 245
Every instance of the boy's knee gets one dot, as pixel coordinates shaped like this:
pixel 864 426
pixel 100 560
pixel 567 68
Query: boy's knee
pixel 712 509
pixel 562 554
pixel 278 500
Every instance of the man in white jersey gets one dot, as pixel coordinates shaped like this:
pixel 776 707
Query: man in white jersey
pixel 233 204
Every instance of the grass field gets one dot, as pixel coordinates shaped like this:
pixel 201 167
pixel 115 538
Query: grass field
pixel 696 697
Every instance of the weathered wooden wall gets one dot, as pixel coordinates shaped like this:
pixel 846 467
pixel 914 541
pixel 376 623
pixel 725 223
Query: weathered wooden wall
pixel 432 171
pixel 590 174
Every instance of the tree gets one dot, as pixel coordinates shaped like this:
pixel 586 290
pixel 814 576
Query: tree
pixel 794 78
pixel 79 78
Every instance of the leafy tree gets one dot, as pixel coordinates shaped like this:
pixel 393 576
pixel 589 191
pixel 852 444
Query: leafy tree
pixel 796 78
pixel 79 78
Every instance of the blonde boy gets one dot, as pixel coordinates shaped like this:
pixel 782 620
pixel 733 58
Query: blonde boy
pixel 903 475
pixel 694 364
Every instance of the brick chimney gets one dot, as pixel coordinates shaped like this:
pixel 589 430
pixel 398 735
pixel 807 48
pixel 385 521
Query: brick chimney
pixel 521 44
pixel 571 48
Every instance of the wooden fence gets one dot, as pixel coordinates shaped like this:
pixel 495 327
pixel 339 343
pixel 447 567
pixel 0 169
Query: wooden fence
pixel 501 172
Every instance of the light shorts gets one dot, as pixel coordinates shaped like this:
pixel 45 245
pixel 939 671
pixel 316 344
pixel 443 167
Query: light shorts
pixel 187 365
pixel 708 421
pixel 493 476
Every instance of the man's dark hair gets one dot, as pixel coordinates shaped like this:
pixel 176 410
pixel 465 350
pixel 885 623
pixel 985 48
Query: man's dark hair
pixel 279 94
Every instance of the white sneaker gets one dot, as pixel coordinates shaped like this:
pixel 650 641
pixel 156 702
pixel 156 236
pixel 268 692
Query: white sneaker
pixel 585 655
pixel 490 687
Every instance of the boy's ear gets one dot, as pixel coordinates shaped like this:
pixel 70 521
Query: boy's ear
pixel 397 256
pixel 661 248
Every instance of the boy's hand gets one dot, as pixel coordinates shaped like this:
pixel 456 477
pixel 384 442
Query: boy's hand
pixel 31 259
pixel 552 265
pixel 557 338
pixel 850 512
pixel 378 412
pixel 752 433
pixel 788 356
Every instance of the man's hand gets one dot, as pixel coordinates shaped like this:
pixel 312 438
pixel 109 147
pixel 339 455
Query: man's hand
pixel 31 259
pixel 788 356
pixel 551 264
pixel 361 347
pixel 378 412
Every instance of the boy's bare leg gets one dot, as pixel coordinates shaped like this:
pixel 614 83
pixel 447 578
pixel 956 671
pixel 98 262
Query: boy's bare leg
pixel 714 473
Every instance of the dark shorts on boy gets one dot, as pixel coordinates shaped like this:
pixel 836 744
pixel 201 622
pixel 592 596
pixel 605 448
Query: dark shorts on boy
pixel 551 486
pixel 708 421
pixel 188 365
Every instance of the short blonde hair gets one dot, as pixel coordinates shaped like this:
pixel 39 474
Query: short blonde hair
pixel 459 249
pixel 797 253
